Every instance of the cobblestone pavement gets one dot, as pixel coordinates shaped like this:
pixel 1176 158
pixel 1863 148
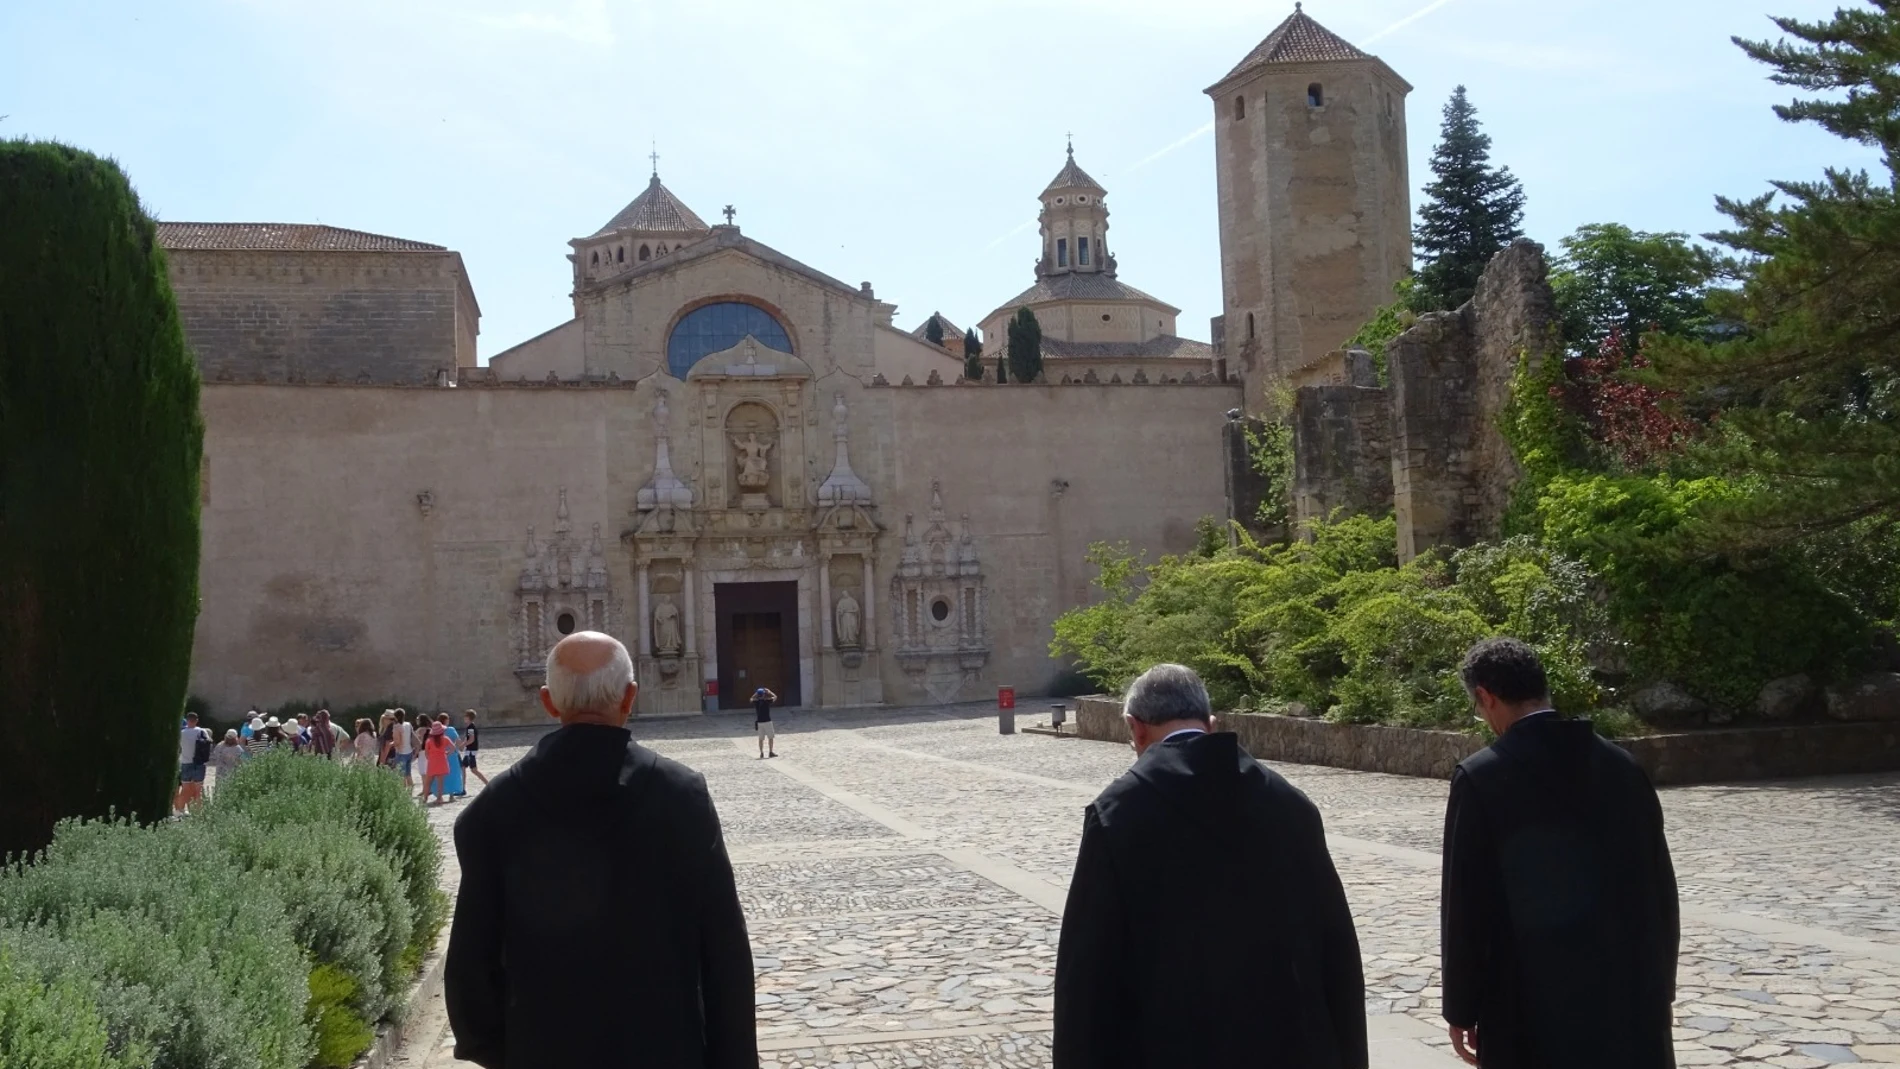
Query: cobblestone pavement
pixel 903 875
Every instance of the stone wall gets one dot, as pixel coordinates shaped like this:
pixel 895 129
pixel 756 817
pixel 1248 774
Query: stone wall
pixel 365 542
pixel 1342 451
pixel 1693 757
pixel 324 316
pixel 1452 473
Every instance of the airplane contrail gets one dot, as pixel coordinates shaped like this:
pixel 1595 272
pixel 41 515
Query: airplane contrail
pixel 1408 20
pixel 1200 131
pixel 1011 234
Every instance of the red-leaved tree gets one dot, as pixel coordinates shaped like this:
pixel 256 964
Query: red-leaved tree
pixel 1634 424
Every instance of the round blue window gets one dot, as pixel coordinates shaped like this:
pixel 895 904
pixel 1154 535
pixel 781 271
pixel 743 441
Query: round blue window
pixel 717 327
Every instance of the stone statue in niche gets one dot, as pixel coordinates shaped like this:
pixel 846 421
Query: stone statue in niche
pixel 666 627
pixel 847 621
pixel 753 474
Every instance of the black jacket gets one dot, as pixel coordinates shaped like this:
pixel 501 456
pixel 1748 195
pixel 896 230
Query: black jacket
pixel 1260 969
pixel 597 922
pixel 1559 922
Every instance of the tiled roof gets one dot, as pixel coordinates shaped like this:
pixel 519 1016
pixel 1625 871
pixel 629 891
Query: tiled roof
pixel 1167 345
pixel 656 209
pixel 950 330
pixel 1073 177
pixel 305 237
pixel 1298 40
pixel 1086 286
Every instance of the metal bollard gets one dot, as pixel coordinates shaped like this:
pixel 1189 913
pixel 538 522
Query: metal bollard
pixel 1006 710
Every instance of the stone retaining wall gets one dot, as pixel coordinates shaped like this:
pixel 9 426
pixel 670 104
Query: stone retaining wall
pixel 1691 757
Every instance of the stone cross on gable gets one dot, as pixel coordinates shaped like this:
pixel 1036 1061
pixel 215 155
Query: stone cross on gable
pixel 729 214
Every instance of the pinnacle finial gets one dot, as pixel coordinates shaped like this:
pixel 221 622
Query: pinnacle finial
pixel 1296 7
pixel 655 157
pixel 1071 139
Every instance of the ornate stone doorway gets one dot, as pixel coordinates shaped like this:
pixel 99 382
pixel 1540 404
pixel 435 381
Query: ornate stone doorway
pixel 757 641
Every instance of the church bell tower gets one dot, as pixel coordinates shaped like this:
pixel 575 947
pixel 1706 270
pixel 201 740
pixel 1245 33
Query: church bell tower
pixel 1315 203
pixel 1074 221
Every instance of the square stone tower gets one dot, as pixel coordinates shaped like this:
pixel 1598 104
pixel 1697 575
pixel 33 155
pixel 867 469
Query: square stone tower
pixel 1315 203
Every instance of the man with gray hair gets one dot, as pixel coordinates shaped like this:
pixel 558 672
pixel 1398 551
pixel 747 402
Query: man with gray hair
pixel 597 923
pixel 1145 976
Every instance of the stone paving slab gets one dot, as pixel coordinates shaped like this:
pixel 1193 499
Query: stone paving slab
pixel 903 872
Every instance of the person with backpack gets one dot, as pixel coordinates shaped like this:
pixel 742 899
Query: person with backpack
pixel 194 753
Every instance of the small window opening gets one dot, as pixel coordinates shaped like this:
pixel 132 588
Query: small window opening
pixel 645 253
pixel 1082 251
pixel 1315 96
pixel 1240 107
pixel 1083 199
pixel 1104 317
pixel 1249 326
pixel 1062 252
pixel 564 623
pixel 594 258
pixel 620 255
pixel 940 610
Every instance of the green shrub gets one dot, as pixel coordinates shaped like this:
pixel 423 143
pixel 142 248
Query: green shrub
pixel 341 1033
pixel 1334 623
pixel 1720 625
pixel 280 790
pixel 345 900
pixel 100 444
pixel 55 1022
pixel 153 909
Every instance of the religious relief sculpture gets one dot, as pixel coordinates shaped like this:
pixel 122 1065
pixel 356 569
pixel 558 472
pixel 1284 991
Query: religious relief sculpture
pixel 753 474
pixel 847 621
pixel 939 604
pixel 666 627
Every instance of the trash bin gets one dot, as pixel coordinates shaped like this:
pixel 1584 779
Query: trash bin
pixel 1006 710
pixel 1058 714
pixel 711 701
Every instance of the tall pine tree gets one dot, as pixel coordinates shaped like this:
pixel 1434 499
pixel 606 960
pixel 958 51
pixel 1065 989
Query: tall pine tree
pixel 1025 346
pixel 1810 387
pixel 1470 214
pixel 972 356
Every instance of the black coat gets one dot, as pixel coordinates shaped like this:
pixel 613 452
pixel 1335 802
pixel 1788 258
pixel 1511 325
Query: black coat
pixel 1559 922
pixel 1206 926
pixel 597 923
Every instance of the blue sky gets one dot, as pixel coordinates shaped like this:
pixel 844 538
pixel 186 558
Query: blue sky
pixel 901 143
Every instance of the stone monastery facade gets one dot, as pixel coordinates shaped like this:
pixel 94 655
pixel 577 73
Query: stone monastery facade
pixel 736 463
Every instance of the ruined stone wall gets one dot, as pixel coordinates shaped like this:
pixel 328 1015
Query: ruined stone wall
pixel 1452 473
pixel 299 316
pixel 1342 451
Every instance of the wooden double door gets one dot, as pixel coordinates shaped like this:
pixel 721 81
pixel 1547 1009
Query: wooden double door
pixel 757 641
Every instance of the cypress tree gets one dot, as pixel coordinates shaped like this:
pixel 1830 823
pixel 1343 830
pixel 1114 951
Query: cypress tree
pixel 1471 211
pixel 1002 367
pixel 1808 380
pixel 972 355
pixel 933 330
pixel 100 443
pixel 1025 346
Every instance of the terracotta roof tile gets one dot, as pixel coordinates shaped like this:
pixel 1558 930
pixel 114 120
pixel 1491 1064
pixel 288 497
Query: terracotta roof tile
pixel 302 237
pixel 1073 177
pixel 656 209
pixel 1167 345
pixel 1298 40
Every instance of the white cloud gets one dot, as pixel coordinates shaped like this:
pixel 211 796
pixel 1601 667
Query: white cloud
pixel 1407 20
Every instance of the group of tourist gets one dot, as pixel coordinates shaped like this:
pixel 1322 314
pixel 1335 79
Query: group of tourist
pixel 448 755
pixel 1206 926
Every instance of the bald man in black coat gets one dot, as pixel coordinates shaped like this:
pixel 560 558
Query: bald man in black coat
pixel 1560 921
pixel 1206 927
pixel 597 922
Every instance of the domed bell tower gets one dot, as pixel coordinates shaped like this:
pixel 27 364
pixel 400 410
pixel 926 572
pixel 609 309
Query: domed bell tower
pixel 1074 222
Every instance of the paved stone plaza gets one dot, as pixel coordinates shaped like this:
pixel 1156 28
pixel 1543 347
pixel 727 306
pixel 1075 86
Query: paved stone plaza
pixel 903 875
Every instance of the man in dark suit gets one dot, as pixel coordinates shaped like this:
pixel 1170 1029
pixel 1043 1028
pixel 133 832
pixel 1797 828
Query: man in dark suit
pixel 1559 923
pixel 597 923
pixel 1205 926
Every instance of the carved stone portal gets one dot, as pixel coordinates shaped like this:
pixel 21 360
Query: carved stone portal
pixel 940 605
pixel 562 589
